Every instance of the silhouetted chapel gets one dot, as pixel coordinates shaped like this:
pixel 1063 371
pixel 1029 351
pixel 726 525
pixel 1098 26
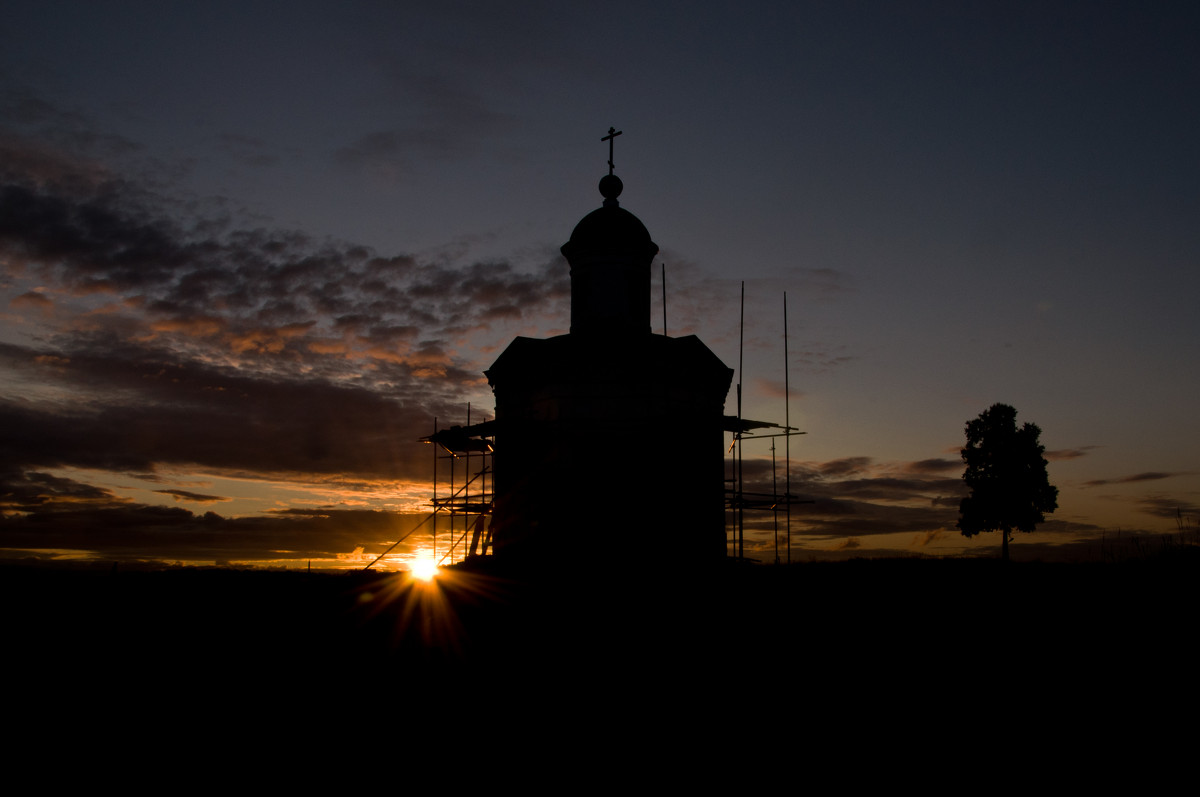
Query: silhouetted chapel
pixel 609 439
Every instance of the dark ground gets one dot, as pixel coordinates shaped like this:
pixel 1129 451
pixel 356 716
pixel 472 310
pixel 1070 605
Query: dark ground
pixel 852 619
pixel 750 669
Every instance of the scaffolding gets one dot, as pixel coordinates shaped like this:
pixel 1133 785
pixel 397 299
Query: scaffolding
pixel 464 497
pixel 463 492
pixel 471 500
pixel 463 489
pixel 738 500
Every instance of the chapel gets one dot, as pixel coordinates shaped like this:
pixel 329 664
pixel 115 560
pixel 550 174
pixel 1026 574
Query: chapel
pixel 610 434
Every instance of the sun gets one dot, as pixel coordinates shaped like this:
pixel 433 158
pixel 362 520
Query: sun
pixel 424 568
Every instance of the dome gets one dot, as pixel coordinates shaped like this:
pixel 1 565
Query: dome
pixel 610 252
pixel 610 230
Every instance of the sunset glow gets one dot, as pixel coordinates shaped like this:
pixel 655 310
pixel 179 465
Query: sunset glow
pixel 424 568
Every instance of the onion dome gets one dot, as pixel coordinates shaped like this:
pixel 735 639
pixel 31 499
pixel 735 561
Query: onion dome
pixel 610 253
pixel 610 230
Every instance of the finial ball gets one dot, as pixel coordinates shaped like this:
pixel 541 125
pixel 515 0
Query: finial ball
pixel 610 186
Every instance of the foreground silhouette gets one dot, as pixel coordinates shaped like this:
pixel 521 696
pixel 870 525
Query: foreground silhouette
pixel 1006 474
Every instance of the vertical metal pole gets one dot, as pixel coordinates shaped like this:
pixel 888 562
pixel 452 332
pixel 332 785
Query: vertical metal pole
pixel 486 459
pixel 738 493
pixel 787 422
pixel 664 292
pixel 741 381
pixel 730 488
pixel 467 501
pixel 489 464
pixel 775 500
pixel 433 525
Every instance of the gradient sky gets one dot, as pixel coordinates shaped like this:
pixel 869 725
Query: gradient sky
pixel 250 250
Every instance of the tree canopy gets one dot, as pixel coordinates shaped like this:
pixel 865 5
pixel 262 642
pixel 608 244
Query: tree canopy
pixel 1006 474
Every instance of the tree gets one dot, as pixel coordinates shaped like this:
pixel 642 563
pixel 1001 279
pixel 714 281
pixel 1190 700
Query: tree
pixel 1006 474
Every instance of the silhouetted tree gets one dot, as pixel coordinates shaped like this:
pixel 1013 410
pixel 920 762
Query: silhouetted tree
pixel 1006 474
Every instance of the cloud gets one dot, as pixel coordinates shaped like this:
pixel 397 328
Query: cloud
pixel 88 241
pixel 832 518
pixel 183 340
pixel 156 337
pixel 145 407
pixel 143 532
pixel 844 467
pixel 1167 507
pixel 858 496
pixel 1149 476
pixel 34 491
pixel 923 539
pixel 1069 453
pixel 934 466
pixel 245 286
pixel 42 139
pixel 248 288
pixel 33 300
pixel 897 489
pixel 184 495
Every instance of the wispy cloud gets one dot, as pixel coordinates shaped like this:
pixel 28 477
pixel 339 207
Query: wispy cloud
pixel 200 498
pixel 1069 453
pixel 855 497
pixel 1149 476
pixel 1168 507
pixel 34 491
pixel 934 466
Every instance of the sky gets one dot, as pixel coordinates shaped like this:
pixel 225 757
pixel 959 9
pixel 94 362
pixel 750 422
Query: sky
pixel 250 251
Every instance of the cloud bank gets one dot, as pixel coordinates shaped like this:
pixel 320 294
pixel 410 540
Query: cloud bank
pixel 146 336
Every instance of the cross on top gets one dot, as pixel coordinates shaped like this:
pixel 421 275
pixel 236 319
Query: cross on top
pixel 612 133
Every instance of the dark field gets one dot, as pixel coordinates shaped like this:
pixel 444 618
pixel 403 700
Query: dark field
pixel 819 621
pixel 607 670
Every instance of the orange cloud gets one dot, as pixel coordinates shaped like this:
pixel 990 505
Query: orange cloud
pixel 268 341
pixel 197 326
pixel 33 300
